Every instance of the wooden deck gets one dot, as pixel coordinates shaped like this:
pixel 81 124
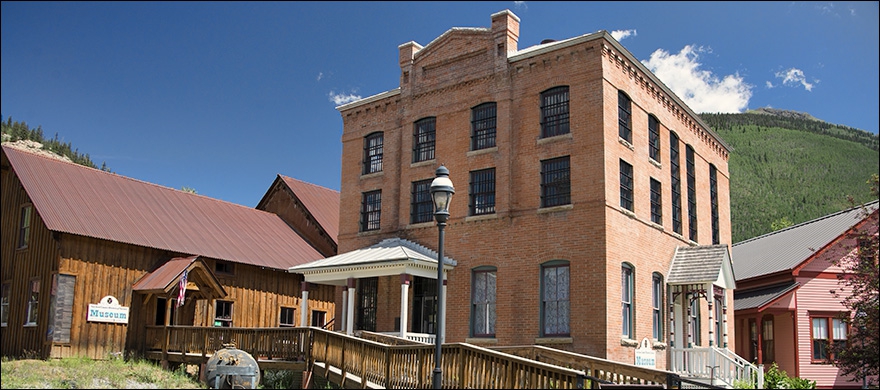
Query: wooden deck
pixel 354 362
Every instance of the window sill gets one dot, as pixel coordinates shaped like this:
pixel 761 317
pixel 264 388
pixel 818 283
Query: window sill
pixel 422 163
pixel 481 340
pixel 659 345
pixel 655 163
pixel 555 138
pixel 553 340
pixel 627 342
pixel 625 143
pixel 554 209
pixel 369 233
pixel 420 225
pixel 30 325
pixel 372 175
pixel 482 151
pixel 481 217
pixel 627 213
pixel 656 225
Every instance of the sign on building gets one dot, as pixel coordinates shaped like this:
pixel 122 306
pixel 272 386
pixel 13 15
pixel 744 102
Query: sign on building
pixel 645 354
pixel 108 310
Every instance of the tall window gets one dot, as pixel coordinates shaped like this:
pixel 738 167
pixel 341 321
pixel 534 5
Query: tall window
pixel 713 198
pixel 694 319
pixel 626 299
pixel 33 302
pixel 483 126
pixel 753 340
pixel 371 207
pixel 626 185
pixel 421 205
pixel 691 193
pixel 624 116
pixel 719 321
pixel 482 194
pixel 653 138
pixel 223 314
pixel 656 202
pixel 657 306
pixel 555 303
pixel 768 347
pixel 4 304
pixel 554 112
pixel 423 139
pixel 287 317
pixel 367 303
pixel 555 182
pixel 24 226
pixel 483 302
pixel 373 149
pixel 827 330
pixel 676 182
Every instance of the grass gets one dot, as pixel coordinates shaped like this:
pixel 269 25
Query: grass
pixel 84 373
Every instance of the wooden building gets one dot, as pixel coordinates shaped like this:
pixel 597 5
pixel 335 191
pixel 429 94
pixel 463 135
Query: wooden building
pixel 90 259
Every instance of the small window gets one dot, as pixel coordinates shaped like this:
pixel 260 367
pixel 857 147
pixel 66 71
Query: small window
pixel 656 202
pixel 653 138
pixel 24 226
pixel 555 182
pixel 626 298
pixel 827 331
pixel 371 207
pixel 4 304
pixel 224 267
pixel 421 205
pixel 483 302
pixel 482 194
pixel 555 303
pixel 626 185
pixel 288 317
pixel 694 319
pixel 675 173
pixel 691 193
pixel 483 122
pixel 373 150
pixel 424 132
pixel 713 199
pixel 33 302
pixel 624 116
pixel 223 314
pixel 657 306
pixel 554 112
pixel 318 318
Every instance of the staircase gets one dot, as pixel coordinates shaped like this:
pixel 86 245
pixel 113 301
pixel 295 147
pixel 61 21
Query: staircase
pixel 714 366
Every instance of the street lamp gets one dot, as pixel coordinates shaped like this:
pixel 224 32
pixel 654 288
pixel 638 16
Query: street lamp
pixel 441 194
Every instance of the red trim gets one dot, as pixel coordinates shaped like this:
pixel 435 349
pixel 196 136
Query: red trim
pixel 858 226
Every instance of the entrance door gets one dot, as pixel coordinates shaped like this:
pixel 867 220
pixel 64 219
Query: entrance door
pixel 367 298
pixel 424 305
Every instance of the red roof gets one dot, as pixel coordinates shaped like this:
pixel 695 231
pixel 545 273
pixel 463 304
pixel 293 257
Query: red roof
pixel 322 203
pixel 75 199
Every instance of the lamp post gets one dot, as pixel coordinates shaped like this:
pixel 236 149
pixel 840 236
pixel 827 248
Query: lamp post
pixel 441 194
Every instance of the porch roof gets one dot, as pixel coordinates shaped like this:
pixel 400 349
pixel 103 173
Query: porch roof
pixel 392 256
pixel 702 264
pixel 163 281
pixel 760 297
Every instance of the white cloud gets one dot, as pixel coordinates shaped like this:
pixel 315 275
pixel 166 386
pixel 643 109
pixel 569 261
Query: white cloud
pixel 343 98
pixel 701 90
pixel 794 77
pixel 520 5
pixel 320 76
pixel 768 84
pixel 620 35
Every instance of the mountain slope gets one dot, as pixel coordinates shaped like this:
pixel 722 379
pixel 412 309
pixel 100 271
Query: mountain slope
pixel 787 168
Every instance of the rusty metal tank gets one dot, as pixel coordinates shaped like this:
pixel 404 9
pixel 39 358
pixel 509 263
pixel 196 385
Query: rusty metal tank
pixel 232 368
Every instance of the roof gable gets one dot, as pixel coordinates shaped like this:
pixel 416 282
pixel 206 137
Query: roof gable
pixel 321 202
pixel 701 265
pixel 75 199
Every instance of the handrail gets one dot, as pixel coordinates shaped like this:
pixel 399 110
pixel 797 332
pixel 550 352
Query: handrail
pixel 714 363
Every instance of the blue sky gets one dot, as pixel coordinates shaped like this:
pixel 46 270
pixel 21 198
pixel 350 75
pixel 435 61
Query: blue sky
pixel 222 97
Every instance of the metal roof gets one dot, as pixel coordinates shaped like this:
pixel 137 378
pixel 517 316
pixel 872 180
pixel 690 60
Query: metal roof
pixel 387 250
pixel 321 202
pixel 760 297
pixel 787 248
pixel 75 199
pixel 702 264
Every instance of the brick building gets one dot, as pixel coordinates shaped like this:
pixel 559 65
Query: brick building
pixel 591 202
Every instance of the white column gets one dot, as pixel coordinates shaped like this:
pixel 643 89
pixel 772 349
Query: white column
pixel 351 303
pixel 304 305
pixel 342 324
pixel 724 314
pixel 443 312
pixel 404 303
pixel 710 299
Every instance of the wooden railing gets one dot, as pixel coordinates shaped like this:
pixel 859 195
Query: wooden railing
pixel 719 365
pixel 262 343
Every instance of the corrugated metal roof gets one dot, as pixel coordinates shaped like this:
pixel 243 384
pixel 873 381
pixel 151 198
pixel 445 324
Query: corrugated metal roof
pixel 322 203
pixel 758 298
pixel 164 276
pixel 388 250
pixel 787 248
pixel 698 264
pixel 75 199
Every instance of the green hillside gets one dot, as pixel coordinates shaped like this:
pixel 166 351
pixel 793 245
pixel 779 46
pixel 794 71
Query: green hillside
pixel 787 168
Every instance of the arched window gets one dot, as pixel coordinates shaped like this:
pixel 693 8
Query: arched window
pixel 554 112
pixel 483 125
pixel 424 132
pixel 654 138
pixel 624 116
pixel 373 149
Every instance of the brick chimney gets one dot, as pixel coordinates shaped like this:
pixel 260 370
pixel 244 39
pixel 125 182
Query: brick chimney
pixel 407 52
pixel 505 31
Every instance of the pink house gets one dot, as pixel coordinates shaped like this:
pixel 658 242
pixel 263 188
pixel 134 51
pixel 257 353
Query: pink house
pixel 783 309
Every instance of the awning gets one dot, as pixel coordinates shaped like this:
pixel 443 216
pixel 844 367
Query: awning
pixel 702 265
pixel 392 256
pixel 164 280
pixel 760 298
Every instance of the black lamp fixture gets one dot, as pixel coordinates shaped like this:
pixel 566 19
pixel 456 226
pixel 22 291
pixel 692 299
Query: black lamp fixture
pixel 441 195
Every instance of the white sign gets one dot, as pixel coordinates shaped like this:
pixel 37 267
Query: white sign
pixel 108 310
pixel 645 355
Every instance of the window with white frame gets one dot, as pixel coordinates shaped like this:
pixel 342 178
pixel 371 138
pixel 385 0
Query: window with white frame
pixel 555 303
pixel 694 319
pixel 483 302
pixel 627 295
pixel 33 302
pixel 4 304
pixel 827 331
pixel 657 306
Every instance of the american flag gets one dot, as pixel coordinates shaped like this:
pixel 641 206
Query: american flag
pixel 182 288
